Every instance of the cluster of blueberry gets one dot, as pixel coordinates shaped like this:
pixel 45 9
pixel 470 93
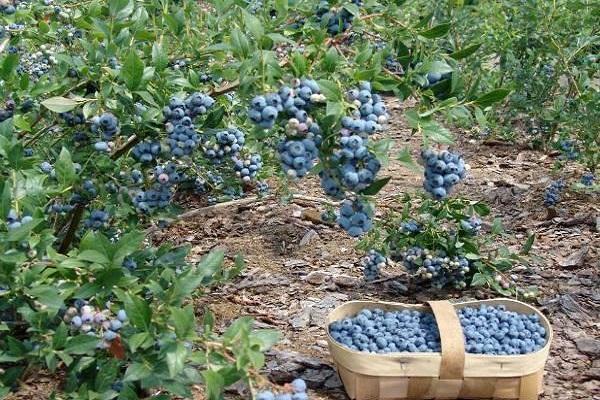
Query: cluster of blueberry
pixel 588 179
pixel 226 143
pixel 89 188
pixel 180 63
pixel 91 321
pixel 337 20
pixel 568 147
pixel 262 188
pixel 179 115
pixel 13 221
pixel 355 217
pixel 330 184
pixel 471 226
pixel 486 329
pixel 496 331
pixel 106 125
pixel 96 220
pixel 69 33
pixel 308 128
pixel 58 208
pixel 437 268
pixel 393 65
pixel 146 151
pixel 297 156
pixel 356 166
pixel 8 111
pixel 247 169
pixel 372 264
pixel 443 170
pixel 129 264
pixel 136 176
pixel 297 388
pixel 370 111
pixel 434 77
pixel 410 227
pixel 294 100
pixel 552 193
pixel 159 196
pixel 73 118
pixel 379 331
pixel 37 63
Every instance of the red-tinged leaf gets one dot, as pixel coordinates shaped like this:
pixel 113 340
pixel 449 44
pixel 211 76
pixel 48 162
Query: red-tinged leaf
pixel 116 348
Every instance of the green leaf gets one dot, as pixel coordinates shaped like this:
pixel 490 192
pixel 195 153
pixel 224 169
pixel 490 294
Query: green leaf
pixel 160 58
pixel 265 338
pixel 132 71
pixel 466 52
pixel 61 104
pixel 214 384
pixel 479 279
pixel 436 31
pixel 492 97
pixel 376 186
pixel 184 321
pixel 81 344
pixel 138 311
pixel 437 133
pixel 93 256
pixel 253 24
pixel 48 296
pixel 335 108
pixel 60 336
pixel 65 169
pixel 528 244
pixel 407 160
pixel 129 243
pixel 140 340
pixel 137 371
pixel 176 359
pixel 8 66
pixel 497 228
pixel 330 90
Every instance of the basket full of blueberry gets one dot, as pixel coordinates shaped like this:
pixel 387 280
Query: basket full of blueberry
pixel 476 349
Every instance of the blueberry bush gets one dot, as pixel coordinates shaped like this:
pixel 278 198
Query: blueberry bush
pixel 113 109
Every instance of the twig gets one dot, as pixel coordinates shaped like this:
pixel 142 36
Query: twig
pixel 387 278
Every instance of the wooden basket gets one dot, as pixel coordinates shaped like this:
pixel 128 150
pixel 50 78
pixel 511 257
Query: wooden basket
pixel 451 374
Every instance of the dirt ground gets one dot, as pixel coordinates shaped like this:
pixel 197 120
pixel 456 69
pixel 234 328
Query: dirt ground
pixel 298 268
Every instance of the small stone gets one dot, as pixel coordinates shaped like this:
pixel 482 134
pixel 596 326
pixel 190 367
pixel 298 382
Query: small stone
pixel 316 378
pixel 588 345
pixel 333 383
pixel 317 277
pixel 345 280
pixel 302 319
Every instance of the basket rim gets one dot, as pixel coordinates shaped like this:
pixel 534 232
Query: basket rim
pixel 395 355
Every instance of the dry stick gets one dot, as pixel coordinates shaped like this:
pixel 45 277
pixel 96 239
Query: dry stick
pixel 245 202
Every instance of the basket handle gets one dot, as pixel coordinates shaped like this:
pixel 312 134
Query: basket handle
pixel 452 339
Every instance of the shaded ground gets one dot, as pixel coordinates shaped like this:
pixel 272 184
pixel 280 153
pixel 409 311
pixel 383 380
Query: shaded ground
pixel 298 269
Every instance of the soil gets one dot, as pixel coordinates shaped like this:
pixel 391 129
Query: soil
pixel 298 268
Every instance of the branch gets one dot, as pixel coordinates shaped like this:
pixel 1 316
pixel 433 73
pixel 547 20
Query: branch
pixel 76 216
pixel 126 147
